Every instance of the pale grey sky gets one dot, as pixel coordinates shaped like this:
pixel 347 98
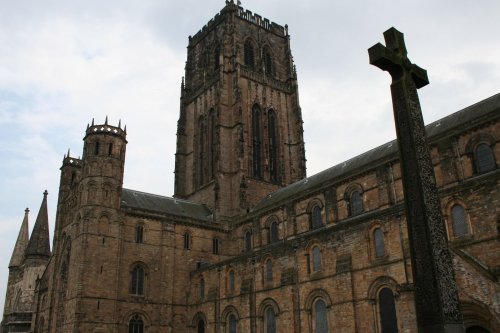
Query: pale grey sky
pixel 63 63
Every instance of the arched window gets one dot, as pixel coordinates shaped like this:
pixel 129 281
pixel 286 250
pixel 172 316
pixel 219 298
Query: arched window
pixel 484 158
pixel 273 146
pixel 249 55
pixel 231 323
pixel 212 141
pixel 256 141
pixel 356 203
pixel 316 258
pixel 316 220
pixel 268 63
pixel 139 233
pixel 187 241
pixel 137 280
pixel 215 246
pixel 269 270
pixel 378 240
pixel 231 281
pixel 110 149
pixel 458 220
pixel 136 325
pixel 201 151
pixel 217 57
pixel 269 320
pixel 200 326
pixel 96 148
pixel 201 289
pixel 273 232
pixel 320 317
pixel 248 240
pixel 387 309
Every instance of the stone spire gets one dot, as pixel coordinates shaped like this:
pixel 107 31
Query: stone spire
pixel 39 245
pixel 21 243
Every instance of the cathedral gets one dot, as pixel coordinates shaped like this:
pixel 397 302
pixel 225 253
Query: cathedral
pixel 248 243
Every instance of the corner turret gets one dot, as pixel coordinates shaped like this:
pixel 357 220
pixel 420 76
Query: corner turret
pixel 103 164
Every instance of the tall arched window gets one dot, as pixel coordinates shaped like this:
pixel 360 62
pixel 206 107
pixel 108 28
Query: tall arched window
pixel 201 151
pixel 268 63
pixel 484 158
pixel 212 143
pixel 316 220
pixel 231 323
pixel 249 55
pixel 200 326
pixel 137 280
pixel 231 281
pixel 378 240
pixel 139 234
pixel 273 232
pixel 187 241
pixel 136 325
pixel 269 320
pixel 320 317
pixel 96 148
pixel 248 240
pixel 269 270
pixel 458 220
pixel 216 57
pixel 316 259
pixel 256 141
pixel 356 203
pixel 215 245
pixel 387 309
pixel 201 289
pixel 273 146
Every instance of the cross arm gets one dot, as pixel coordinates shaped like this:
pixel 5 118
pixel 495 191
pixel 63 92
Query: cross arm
pixel 385 59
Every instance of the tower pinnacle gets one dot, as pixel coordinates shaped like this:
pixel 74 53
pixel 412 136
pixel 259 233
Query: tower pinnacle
pixel 21 243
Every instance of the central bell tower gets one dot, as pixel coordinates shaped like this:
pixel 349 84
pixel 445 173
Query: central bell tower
pixel 239 134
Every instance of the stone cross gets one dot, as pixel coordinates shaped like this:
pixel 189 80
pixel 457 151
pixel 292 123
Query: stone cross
pixel 436 295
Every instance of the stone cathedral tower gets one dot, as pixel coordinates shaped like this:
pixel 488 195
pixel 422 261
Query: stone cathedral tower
pixel 239 133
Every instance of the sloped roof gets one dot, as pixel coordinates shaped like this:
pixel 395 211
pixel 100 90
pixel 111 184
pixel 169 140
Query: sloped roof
pixel 469 116
pixel 164 205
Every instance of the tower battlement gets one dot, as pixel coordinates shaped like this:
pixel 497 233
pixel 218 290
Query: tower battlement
pixel 242 13
pixel 71 161
pixel 106 129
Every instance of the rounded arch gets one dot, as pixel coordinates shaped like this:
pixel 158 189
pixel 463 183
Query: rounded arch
pixel 480 151
pixel 353 196
pixel 315 212
pixel 315 294
pixel 272 225
pixel 131 313
pixel 268 302
pixel 197 318
pixel 380 283
pixel 476 140
pixel 247 239
pixel 477 315
pixel 456 215
pixel 230 309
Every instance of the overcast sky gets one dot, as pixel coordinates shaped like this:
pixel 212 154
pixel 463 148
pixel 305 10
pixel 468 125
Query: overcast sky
pixel 63 63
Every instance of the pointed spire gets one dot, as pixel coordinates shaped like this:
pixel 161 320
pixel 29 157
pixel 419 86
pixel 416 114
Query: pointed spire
pixel 92 122
pixel 39 244
pixel 119 123
pixel 106 121
pixel 68 152
pixel 21 243
pixel 125 129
